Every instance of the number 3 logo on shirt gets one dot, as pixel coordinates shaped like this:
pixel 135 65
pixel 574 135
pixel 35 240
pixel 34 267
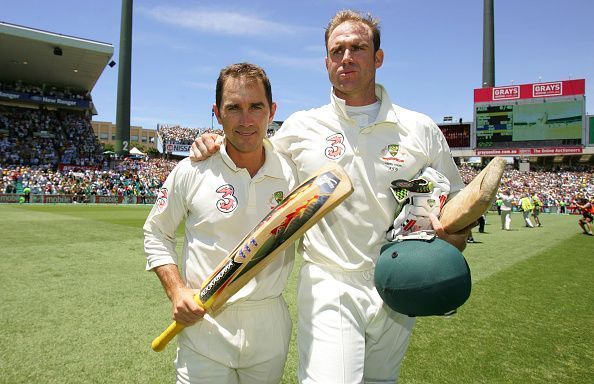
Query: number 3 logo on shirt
pixel 228 202
pixel 336 148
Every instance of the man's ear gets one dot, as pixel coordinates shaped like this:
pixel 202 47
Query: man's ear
pixel 217 113
pixel 272 112
pixel 379 58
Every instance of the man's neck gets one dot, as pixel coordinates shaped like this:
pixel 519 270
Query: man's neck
pixel 358 99
pixel 251 161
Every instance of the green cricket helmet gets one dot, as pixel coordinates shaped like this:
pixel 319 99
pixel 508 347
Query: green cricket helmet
pixel 422 275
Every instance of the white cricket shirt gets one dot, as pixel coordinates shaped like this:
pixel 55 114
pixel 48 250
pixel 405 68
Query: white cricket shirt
pixel 398 145
pixel 220 204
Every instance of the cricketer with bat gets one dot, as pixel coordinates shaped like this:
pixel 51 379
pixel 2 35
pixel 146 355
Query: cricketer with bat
pixel 346 333
pixel 247 340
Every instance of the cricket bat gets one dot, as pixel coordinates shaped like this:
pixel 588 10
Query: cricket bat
pixel 281 227
pixel 470 203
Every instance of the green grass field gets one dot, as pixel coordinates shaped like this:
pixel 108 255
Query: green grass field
pixel 78 307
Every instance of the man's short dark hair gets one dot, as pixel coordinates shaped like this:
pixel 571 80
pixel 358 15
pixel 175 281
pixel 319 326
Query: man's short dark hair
pixel 248 71
pixel 357 17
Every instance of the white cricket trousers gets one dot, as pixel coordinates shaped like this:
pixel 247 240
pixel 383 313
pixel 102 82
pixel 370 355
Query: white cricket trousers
pixel 505 220
pixel 246 343
pixel 346 334
pixel 526 215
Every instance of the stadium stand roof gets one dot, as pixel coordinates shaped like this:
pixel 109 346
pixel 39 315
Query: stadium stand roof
pixel 39 57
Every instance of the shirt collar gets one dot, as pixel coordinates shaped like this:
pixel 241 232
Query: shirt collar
pixel 271 167
pixel 386 112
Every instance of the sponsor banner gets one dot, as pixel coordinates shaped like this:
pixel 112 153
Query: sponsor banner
pixel 147 200
pixel 14 198
pixel 56 199
pixel 107 199
pixel 177 149
pixel 530 91
pixel 37 99
pixel 529 151
pixel 547 89
pixel 122 199
pixel 9 198
pixel 506 93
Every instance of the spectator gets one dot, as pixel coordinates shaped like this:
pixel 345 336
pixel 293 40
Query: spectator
pixel 507 201
pixel 585 222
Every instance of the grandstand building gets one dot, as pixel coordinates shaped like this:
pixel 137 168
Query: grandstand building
pixel 105 132
pixel 46 106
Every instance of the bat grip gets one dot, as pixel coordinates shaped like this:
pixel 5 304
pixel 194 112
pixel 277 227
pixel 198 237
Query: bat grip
pixel 164 338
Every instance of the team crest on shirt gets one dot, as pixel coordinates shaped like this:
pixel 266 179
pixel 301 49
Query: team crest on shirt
pixel 335 148
pixel 228 202
pixel 276 198
pixel 162 199
pixel 392 155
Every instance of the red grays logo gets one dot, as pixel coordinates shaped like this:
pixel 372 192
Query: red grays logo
pixel 228 202
pixel 162 198
pixel 505 93
pixel 547 89
pixel 336 148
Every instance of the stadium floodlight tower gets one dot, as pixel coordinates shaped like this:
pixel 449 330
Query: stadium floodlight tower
pixel 122 141
pixel 488 45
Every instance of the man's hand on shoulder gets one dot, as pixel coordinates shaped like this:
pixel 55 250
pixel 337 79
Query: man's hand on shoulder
pixel 205 146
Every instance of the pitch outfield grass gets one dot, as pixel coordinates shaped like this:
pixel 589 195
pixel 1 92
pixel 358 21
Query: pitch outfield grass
pixel 77 306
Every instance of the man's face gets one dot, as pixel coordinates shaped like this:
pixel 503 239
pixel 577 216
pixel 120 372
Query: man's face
pixel 351 61
pixel 244 114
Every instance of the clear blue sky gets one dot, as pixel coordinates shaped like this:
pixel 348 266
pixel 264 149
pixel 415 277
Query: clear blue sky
pixel 433 49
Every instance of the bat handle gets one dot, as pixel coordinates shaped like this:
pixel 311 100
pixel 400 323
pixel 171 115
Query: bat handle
pixel 164 338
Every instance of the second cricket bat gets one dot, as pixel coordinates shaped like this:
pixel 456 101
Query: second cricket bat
pixel 298 212
pixel 470 203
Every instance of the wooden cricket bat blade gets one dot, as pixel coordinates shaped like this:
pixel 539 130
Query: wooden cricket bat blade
pixel 280 228
pixel 475 199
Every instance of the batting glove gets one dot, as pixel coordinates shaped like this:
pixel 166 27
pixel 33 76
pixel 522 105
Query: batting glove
pixel 416 200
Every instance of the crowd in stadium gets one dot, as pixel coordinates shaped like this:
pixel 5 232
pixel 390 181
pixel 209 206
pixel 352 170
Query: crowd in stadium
pixel 46 138
pixel 554 188
pixel 175 134
pixel 179 135
pixel 50 91
pixel 127 178
pixel 140 176
pixel 33 142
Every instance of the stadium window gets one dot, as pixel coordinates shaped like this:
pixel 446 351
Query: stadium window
pixel 134 138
